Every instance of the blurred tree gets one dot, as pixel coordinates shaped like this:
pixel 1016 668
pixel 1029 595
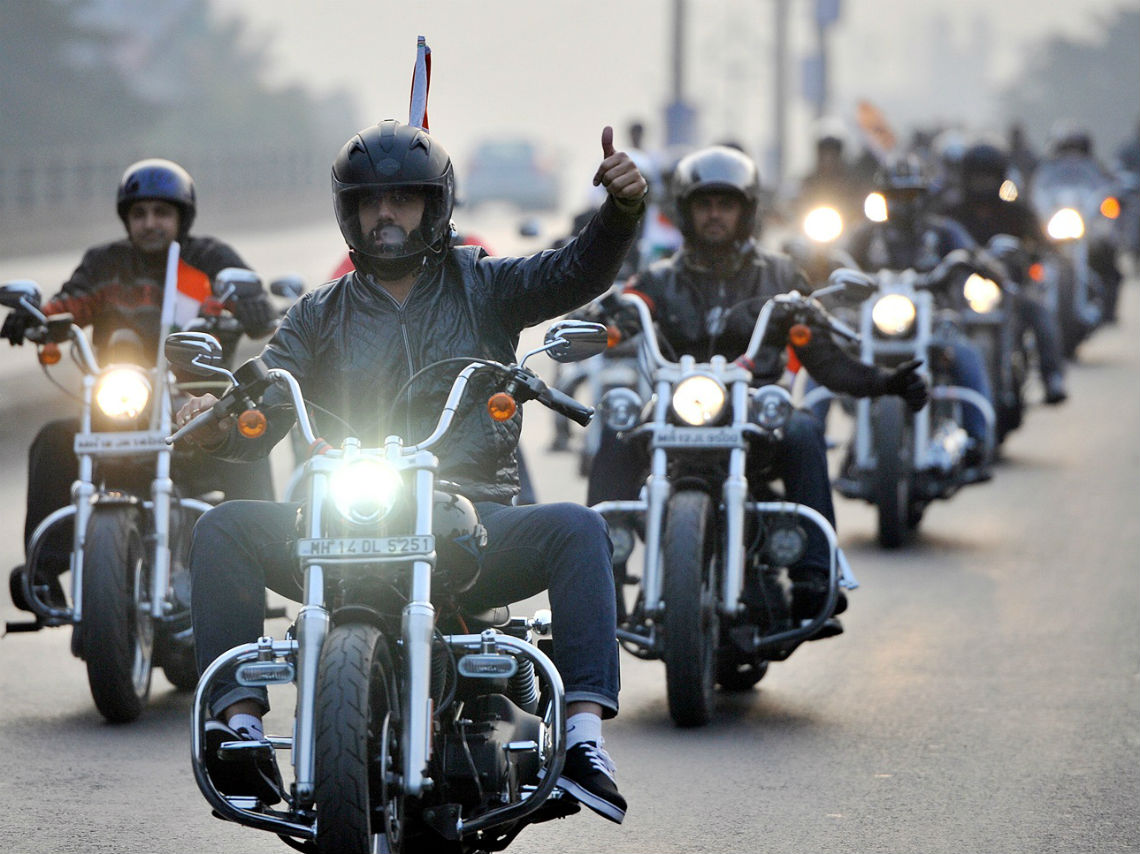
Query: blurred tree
pixel 57 83
pixel 1094 83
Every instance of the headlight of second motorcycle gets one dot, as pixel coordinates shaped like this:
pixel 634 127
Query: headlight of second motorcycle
pixel 823 224
pixel 122 392
pixel 698 400
pixel 1066 224
pixel 893 315
pixel 364 491
pixel 982 294
pixel 620 408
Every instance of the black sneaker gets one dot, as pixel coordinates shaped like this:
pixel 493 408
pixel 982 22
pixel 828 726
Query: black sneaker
pixel 257 778
pixel 588 775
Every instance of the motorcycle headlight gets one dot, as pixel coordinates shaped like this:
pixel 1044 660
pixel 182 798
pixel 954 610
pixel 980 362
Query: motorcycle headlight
pixel 981 293
pixel 620 408
pixel 1007 192
pixel 823 224
pixel 771 407
pixel 122 393
pixel 698 400
pixel 1066 224
pixel 365 491
pixel 875 207
pixel 893 314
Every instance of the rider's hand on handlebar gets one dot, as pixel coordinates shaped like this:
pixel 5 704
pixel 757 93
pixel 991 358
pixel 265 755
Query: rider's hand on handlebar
pixel 905 382
pixel 254 313
pixel 208 434
pixel 16 324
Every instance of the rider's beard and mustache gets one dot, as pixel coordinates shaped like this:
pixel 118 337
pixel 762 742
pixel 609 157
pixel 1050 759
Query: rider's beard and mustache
pixel 385 240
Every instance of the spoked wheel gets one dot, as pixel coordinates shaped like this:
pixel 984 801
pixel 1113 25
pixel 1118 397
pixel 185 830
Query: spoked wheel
pixel 691 624
pixel 892 484
pixel 358 801
pixel 118 632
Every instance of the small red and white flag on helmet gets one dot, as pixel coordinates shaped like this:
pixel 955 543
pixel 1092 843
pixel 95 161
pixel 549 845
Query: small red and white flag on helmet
pixel 421 81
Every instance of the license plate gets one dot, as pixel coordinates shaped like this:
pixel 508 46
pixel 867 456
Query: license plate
pixel 365 547
pixel 697 437
pixel 127 442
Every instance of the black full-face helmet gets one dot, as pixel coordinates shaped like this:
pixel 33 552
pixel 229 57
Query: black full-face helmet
pixel 388 156
pixel 903 183
pixel 718 169
pixel 161 180
pixel 984 169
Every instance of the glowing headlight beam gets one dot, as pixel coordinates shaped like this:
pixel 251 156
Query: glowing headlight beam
pixel 875 207
pixel 365 491
pixel 122 393
pixel 1066 224
pixel 823 224
pixel 893 314
pixel 698 400
pixel 983 295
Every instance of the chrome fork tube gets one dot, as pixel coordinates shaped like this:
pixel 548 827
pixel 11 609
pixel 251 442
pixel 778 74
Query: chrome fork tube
pixel 161 489
pixel 417 625
pixel 81 491
pixel 735 493
pixel 657 488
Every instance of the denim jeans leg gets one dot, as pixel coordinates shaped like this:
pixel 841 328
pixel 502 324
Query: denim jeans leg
pixel 970 372
pixel 564 549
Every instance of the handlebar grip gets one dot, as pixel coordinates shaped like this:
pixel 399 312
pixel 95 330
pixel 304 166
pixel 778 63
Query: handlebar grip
pixel 199 420
pixel 564 404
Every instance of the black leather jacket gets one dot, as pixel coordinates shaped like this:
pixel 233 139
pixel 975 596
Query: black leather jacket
pixel 702 314
pixel 351 347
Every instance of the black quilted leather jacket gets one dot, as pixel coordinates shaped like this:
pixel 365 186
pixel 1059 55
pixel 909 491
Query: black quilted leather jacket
pixel 351 346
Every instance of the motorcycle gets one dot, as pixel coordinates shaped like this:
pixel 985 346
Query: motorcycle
pixel 899 461
pixel 1074 199
pixel 406 737
pixel 816 247
pixel 130 587
pixel 713 597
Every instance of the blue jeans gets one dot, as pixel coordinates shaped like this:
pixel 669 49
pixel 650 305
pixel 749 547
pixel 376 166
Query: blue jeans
pixel 969 371
pixel 242 547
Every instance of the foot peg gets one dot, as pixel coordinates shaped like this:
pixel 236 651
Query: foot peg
pixel 245 751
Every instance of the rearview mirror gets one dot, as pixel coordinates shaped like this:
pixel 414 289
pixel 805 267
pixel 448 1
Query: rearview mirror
pixel 18 291
pixel 236 283
pixel 850 286
pixel 290 286
pixel 575 340
pixel 195 352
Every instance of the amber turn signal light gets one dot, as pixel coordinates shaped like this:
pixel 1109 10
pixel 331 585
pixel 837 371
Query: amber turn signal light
pixel 501 406
pixel 1110 207
pixel 799 335
pixel 252 423
pixel 613 336
pixel 50 354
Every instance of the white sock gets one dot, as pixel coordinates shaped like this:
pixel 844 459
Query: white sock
pixel 583 727
pixel 250 723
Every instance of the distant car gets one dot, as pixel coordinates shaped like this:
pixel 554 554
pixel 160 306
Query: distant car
pixel 510 171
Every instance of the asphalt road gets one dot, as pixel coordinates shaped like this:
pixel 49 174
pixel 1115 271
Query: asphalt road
pixel 985 698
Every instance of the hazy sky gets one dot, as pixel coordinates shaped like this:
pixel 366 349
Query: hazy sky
pixel 560 69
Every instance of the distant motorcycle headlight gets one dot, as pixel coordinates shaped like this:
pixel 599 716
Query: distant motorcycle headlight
pixel 623 539
pixel 365 491
pixel 875 207
pixel 1066 224
pixel 771 407
pixel 122 392
pixel 893 314
pixel 983 295
pixel 823 224
pixel 698 400
pixel 621 408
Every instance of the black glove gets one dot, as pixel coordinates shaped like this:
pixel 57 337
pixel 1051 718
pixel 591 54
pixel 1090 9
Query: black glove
pixel 254 313
pixel 16 324
pixel 904 382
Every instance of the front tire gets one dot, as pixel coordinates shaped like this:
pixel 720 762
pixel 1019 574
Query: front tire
pixel 357 723
pixel 892 475
pixel 118 634
pixel 691 625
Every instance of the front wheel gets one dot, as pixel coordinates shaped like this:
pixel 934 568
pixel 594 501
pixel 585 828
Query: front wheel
pixel 892 474
pixel 357 763
pixel 691 625
pixel 118 634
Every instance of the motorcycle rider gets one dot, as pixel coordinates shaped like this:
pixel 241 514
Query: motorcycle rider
pixel 412 300
pixel 1071 143
pixel 984 213
pixel 912 236
pixel 119 285
pixel 832 181
pixel 705 300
